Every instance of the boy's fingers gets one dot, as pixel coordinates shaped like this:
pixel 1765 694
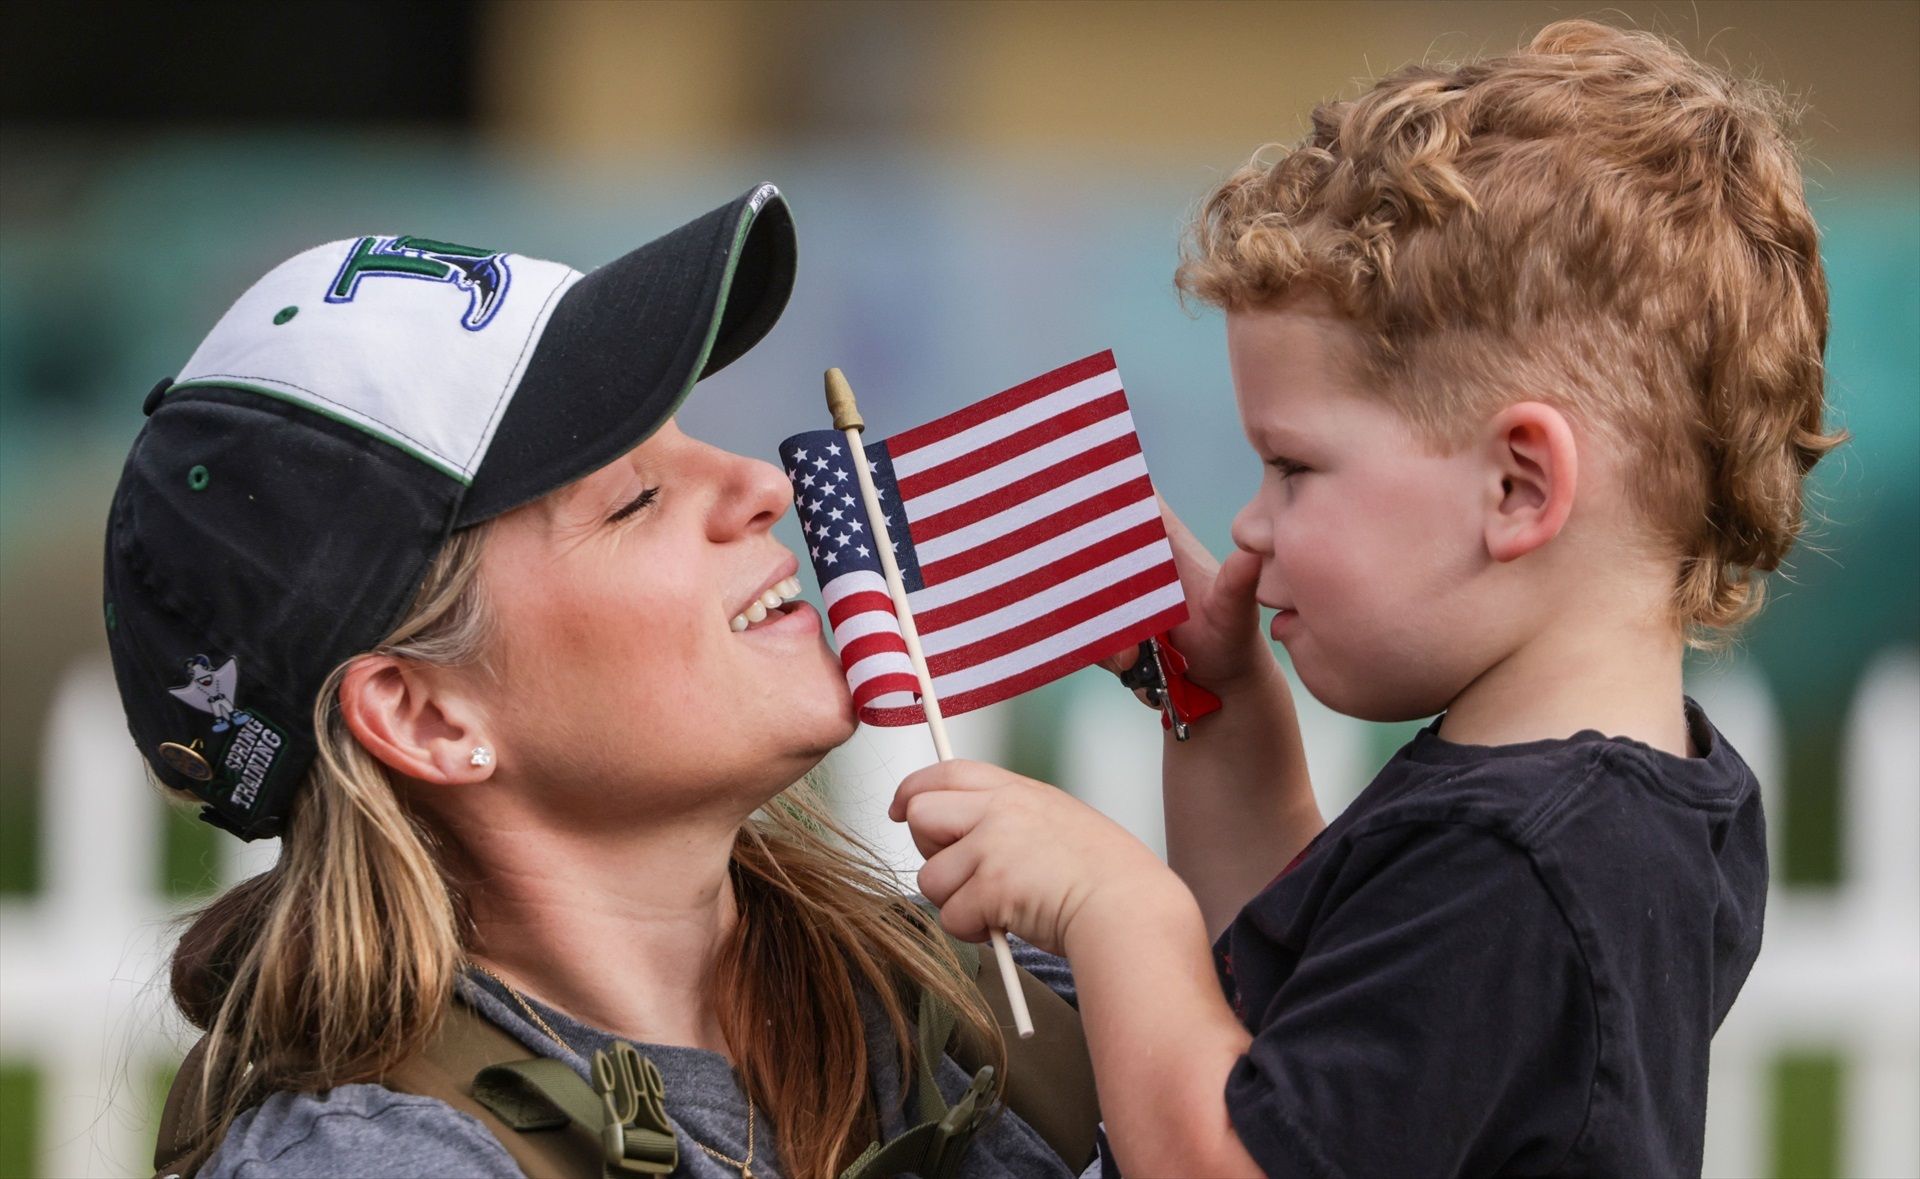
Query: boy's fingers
pixel 943 817
pixel 943 874
pixel 1122 661
pixel 1193 559
pixel 1233 590
pixel 962 918
pixel 958 774
pixel 1177 530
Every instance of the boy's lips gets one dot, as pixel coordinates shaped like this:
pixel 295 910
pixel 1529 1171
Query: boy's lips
pixel 1283 619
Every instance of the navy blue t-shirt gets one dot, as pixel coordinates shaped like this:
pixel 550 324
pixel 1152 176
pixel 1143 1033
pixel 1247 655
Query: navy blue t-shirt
pixel 1501 960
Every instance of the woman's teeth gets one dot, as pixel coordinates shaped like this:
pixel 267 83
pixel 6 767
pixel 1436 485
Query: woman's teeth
pixel 782 592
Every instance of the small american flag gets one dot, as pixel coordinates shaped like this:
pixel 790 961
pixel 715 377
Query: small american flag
pixel 1027 535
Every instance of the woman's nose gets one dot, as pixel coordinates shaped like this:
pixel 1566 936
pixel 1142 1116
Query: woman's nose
pixel 754 494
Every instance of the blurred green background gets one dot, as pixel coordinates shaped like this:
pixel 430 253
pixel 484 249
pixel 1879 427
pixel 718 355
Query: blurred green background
pixel 983 191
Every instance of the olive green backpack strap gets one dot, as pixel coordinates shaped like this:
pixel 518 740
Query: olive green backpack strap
pixel 551 1121
pixel 1049 1079
pixel 1049 1075
pixel 468 1044
pixel 933 1147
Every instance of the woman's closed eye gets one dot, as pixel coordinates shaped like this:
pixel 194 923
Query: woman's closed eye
pixel 643 500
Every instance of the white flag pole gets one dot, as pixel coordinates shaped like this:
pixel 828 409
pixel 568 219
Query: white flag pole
pixel 846 418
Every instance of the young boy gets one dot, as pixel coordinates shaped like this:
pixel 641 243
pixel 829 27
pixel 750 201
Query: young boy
pixel 1531 350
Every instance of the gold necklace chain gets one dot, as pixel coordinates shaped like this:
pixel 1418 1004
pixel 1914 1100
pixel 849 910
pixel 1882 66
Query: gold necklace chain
pixel 524 1006
pixel 745 1165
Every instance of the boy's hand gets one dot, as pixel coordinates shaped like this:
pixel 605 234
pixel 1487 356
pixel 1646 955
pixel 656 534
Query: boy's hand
pixel 1007 852
pixel 1221 636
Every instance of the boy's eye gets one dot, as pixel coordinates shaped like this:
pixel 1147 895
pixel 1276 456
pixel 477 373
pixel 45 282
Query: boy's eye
pixel 1286 466
pixel 643 500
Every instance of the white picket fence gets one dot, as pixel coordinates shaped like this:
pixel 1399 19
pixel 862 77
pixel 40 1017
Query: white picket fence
pixel 82 963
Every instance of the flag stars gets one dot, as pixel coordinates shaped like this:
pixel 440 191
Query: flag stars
pixel 835 514
pixel 831 557
pixel 801 455
pixel 840 474
pixel 833 448
pixel 863 550
pixel 853 524
pixel 820 464
pixel 806 480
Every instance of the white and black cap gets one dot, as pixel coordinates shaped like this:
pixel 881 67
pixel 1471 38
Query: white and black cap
pixel 352 410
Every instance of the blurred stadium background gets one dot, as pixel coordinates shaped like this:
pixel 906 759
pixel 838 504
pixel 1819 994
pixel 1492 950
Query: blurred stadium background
pixel 984 191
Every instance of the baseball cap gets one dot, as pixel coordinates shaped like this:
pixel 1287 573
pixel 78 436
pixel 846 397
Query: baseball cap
pixel 355 407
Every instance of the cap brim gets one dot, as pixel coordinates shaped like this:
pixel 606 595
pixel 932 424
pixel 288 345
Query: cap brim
pixel 626 344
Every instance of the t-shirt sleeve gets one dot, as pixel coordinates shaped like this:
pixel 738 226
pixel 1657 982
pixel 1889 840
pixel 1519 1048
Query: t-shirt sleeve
pixel 358 1130
pixel 1439 1021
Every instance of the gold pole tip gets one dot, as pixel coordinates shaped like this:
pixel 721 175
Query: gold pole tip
pixel 846 414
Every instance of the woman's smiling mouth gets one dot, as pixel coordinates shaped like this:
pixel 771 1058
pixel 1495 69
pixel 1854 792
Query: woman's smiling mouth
pixel 774 602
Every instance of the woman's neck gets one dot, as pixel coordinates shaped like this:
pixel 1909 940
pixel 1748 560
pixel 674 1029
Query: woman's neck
pixel 619 932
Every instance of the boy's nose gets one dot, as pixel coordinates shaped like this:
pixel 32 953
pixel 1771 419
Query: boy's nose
pixel 1251 532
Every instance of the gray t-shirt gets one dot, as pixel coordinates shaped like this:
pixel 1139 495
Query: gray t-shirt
pixel 372 1130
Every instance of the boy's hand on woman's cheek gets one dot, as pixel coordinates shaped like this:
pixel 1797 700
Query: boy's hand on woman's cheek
pixel 1007 852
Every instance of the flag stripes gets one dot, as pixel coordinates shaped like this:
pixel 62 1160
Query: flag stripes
pixel 1032 528
pixel 953 703
pixel 1000 489
pixel 947 633
pixel 990 544
pixel 1009 411
pixel 1063 425
pixel 1122 530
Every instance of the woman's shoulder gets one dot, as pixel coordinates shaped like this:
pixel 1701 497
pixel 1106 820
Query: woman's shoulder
pixel 357 1130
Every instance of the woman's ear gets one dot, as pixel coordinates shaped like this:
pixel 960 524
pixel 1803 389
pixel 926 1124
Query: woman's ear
pixel 413 724
pixel 1532 470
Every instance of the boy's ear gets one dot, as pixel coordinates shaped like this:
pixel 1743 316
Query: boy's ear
pixel 413 724
pixel 1532 471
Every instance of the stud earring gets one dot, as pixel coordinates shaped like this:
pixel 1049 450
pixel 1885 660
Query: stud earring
pixel 481 756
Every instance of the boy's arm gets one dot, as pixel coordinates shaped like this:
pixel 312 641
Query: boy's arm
pixel 1007 852
pixel 1239 802
pixel 1161 1035
pixel 1410 974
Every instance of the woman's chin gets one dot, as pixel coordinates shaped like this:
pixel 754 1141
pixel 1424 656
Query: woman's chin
pixel 823 715
pixel 845 719
pixel 806 710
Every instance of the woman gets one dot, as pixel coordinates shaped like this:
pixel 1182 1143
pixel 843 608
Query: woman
pixel 559 695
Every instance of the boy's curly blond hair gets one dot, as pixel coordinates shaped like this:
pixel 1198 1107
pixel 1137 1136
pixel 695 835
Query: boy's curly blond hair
pixel 1597 221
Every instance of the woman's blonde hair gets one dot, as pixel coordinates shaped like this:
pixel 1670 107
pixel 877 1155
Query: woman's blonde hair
pixel 339 963
pixel 1599 221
